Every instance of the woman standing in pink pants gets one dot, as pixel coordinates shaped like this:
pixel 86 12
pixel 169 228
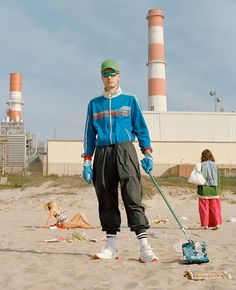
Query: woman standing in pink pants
pixel 209 193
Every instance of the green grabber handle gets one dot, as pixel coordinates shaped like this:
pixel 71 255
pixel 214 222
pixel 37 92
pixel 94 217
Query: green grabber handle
pixel 166 201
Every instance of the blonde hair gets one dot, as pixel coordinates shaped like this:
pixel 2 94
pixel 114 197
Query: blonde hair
pixel 49 205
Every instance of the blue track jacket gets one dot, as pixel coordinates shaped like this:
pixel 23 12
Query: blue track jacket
pixel 113 120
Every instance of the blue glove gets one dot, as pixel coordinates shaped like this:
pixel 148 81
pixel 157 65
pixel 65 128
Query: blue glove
pixel 147 162
pixel 88 171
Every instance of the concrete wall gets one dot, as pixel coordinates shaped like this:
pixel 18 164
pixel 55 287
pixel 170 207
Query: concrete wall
pixel 191 126
pixel 64 157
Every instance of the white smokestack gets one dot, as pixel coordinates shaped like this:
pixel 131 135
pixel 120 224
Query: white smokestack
pixel 156 62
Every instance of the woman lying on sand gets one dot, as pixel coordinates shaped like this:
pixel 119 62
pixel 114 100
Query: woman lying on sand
pixel 78 221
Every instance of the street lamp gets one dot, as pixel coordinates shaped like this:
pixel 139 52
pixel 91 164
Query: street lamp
pixel 217 100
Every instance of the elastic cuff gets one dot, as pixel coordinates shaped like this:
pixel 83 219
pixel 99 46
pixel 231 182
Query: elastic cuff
pixel 87 157
pixel 145 149
pixel 140 231
pixel 111 232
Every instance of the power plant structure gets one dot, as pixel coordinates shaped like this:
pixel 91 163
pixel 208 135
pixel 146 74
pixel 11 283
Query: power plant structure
pixel 15 141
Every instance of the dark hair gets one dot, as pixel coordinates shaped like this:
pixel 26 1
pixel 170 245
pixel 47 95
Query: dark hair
pixel 207 155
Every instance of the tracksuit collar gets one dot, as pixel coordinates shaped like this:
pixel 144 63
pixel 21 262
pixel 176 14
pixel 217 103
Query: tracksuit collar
pixel 112 95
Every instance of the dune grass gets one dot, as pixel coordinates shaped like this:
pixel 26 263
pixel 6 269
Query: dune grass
pixel 226 184
pixel 15 180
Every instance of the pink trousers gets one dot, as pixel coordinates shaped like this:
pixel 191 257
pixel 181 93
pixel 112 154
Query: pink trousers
pixel 210 212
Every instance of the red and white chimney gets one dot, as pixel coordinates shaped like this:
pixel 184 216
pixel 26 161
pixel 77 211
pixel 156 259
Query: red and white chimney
pixel 15 102
pixel 156 62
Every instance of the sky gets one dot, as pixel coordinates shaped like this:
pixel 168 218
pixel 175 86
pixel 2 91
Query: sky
pixel 59 45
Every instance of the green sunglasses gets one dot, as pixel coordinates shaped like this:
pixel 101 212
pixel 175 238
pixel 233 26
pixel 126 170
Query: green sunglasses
pixel 107 74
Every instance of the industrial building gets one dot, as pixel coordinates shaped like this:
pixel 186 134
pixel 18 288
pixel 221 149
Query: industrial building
pixel 16 144
pixel 178 138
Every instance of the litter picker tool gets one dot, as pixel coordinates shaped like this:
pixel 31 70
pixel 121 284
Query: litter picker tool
pixel 193 252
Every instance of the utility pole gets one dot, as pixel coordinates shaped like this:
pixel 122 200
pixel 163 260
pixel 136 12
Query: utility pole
pixel 217 99
pixel 54 134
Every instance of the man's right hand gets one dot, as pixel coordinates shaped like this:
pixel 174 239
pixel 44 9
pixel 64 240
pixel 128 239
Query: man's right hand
pixel 147 162
pixel 88 171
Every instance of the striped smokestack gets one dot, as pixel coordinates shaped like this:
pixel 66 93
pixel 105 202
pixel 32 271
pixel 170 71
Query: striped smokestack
pixel 156 62
pixel 15 101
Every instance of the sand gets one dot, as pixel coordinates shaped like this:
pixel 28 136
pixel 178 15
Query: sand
pixel 29 263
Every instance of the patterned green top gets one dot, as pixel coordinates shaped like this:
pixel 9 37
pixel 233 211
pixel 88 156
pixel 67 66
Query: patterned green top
pixel 208 191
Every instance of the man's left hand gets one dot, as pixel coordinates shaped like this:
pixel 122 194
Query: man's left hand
pixel 88 171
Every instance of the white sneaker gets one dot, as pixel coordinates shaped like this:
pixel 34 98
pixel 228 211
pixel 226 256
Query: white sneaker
pixel 107 252
pixel 147 255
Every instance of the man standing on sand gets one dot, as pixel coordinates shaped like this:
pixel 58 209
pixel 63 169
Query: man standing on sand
pixel 114 120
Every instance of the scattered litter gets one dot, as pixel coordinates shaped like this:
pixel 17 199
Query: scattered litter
pixel 76 237
pixel 51 240
pixel 232 219
pixel 32 227
pixel 52 227
pixel 163 235
pixel 194 227
pixel 203 275
pixel 152 234
pixel 194 253
pixel 56 239
pixel 178 246
pixel 72 237
pixel 159 234
pixel 184 218
pixel 159 221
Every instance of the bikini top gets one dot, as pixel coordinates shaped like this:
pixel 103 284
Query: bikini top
pixel 60 215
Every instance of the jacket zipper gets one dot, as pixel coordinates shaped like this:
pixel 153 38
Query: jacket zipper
pixel 110 121
pixel 128 133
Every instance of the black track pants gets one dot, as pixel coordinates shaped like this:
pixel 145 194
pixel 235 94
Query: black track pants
pixel 112 165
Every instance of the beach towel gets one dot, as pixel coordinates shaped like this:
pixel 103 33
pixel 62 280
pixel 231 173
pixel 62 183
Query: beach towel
pixel 60 226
